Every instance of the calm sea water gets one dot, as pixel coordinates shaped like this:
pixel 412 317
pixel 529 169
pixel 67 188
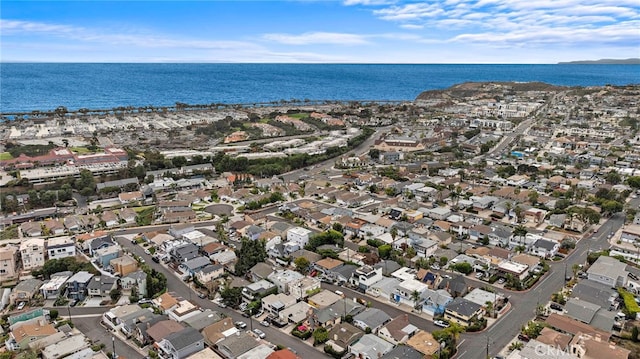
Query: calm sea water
pixel 27 87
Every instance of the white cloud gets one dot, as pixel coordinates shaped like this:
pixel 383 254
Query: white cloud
pixel 412 26
pixel 369 2
pixel 312 38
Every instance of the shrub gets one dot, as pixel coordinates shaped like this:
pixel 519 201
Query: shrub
pixel 629 302
pixel 336 354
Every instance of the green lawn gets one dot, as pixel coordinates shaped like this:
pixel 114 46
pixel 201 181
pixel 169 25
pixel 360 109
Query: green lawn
pixel 298 115
pixel 140 209
pixel 80 150
pixel 5 156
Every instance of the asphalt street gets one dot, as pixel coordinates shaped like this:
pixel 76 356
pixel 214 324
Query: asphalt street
pixel 174 284
pixel 524 304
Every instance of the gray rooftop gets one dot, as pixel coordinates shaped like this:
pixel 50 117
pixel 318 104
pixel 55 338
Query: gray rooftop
pixel 372 346
pixel 581 310
pixel 203 319
pixel 608 267
pixel 372 317
pixel 29 285
pixel 594 292
pixel 403 352
pixel 238 344
pixel 184 338
pixel 80 277
pixel 463 307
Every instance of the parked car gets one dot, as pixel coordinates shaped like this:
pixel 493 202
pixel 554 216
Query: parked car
pixel 441 323
pixel 501 281
pixel 246 314
pixel 259 333
pixel 479 275
pixel 73 303
pixel 556 306
pixel 259 314
pixel 21 305
pixel 633 276
pixel 155 259
pixel 240 324
pixel 264 323
pixel 147 252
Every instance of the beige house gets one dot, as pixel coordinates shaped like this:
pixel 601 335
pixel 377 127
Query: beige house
pixel 32 251
pixel 8 262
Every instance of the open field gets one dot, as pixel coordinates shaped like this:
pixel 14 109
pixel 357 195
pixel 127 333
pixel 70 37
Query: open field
pixel 5 156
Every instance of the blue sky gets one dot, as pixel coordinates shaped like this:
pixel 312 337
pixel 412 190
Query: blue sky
pixel 329 31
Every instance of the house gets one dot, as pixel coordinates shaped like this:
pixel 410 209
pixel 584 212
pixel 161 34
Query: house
pixel 404 352
pixel 78 285
pixel 130 197
pixel 193 265
pixel 32 252
pixel 261 351
pixel 55 286
pixel 183 310
pixel 301 289
pixel 283 279
pixel 296 313
pixel 203 319
pixel 137 279
pixel 571 326
pixel 260 271
pixel 275 303
pixel 95 241
pixel 60 247
pixel 233 346
pixel 365 276
pixel 210 273
pixel 456 286
pixel 181 344
pixel 518 270
pixel 608 271
pixel 72 346
pixel 597 293
pixel 327 264
pixel 323 299
pixel 283 354
pixel 124 265
pixel 462 311
pixel 22 335
pixel 434 302
pixel 184 252
pixel 398 330
pixel 544 248
pixel 342 335
pixel 371 318
pixel 424 247
pixel 110 219
pixel 128 215
pixel 160 328
pixel 25 290
pixel 370 347
pixel 103 256
pixel 592 347
pixel 482 297
pixel 410 292
pixel 8 262
pixel 425 343
pixel 219 330
pixel 298 235
pixel 31 229
pixel 260 288
pixel 101 286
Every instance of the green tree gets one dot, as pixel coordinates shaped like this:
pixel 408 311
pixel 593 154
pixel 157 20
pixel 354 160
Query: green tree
pixel 302 265
pixel 320 335
pixel 53 314
pixel 613 178
pixel 634 333
pixel 115 294
pixel 231 296
pixel 463 267
pixel 384 251
pixel 251 253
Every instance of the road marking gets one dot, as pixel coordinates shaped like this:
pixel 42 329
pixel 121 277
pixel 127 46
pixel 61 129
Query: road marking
pixel 458 346
pixel 463 353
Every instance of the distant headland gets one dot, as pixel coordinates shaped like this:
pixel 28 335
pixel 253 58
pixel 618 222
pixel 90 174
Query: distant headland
pixel 631 61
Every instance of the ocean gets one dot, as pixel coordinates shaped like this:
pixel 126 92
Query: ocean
pixel 26 87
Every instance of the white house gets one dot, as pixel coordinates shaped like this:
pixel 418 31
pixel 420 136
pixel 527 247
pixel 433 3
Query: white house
pixel 298 235
pixel 404 292
pixel 60 247
pixel 32 252
pixel 366 276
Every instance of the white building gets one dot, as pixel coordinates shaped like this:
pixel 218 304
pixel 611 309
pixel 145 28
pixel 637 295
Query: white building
pixel 60 247
pixel 298 235
pixel 32 252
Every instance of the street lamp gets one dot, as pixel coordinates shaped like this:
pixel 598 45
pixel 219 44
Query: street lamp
pixel 69 311
pixel 113 344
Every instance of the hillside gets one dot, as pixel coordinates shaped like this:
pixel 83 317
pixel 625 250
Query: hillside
pixel 485 89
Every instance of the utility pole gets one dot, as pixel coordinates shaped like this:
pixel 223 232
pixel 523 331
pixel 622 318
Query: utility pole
pixel 113 344
pixel 69 311
pixel 487 346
